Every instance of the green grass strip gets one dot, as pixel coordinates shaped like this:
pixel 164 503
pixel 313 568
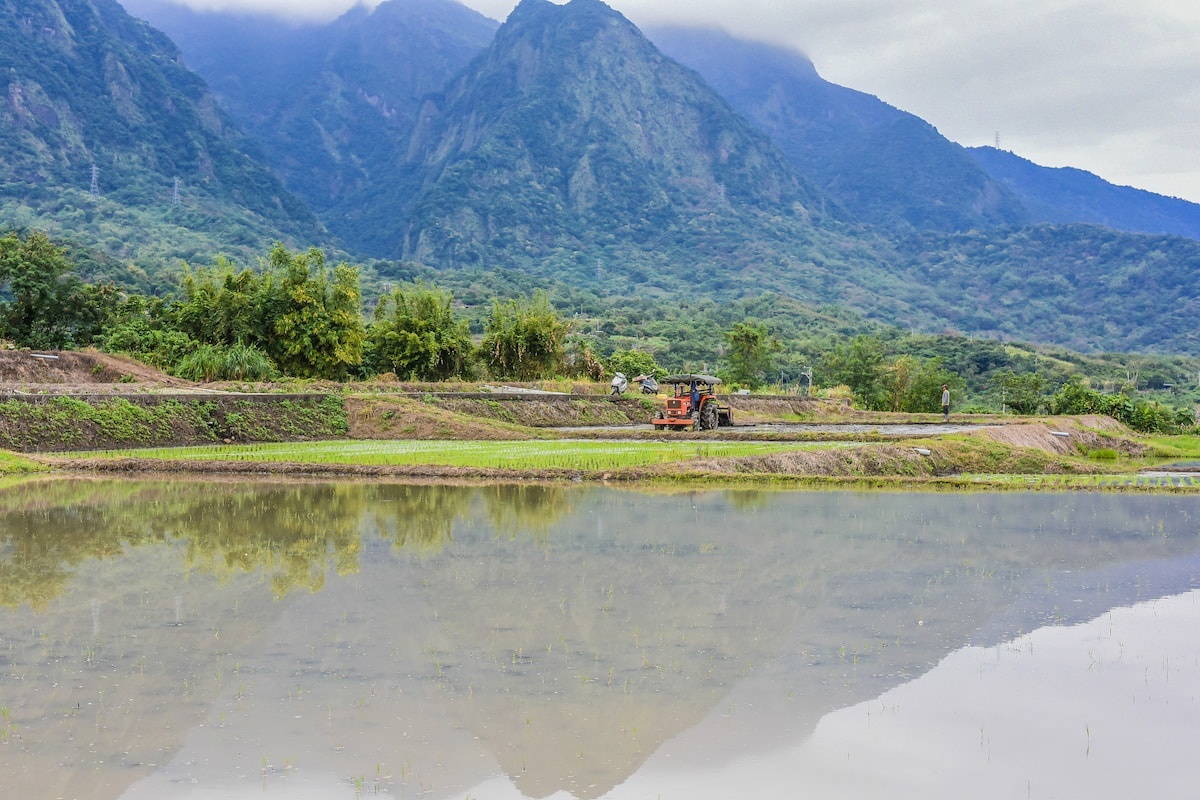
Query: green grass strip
pixel 530 455
pixel 1176 446
pixel 14 464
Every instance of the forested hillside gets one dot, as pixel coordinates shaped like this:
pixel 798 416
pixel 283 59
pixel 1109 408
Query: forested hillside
pixel 573 133
pixel 106 136
pixel 886 166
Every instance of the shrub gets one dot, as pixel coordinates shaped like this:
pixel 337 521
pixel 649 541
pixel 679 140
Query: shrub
pixel 1145 416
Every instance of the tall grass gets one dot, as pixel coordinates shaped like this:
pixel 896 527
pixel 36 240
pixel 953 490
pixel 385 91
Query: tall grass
pixel 239 362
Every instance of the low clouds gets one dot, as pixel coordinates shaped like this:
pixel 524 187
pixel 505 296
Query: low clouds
pixel 1105 85
pixel 1111 87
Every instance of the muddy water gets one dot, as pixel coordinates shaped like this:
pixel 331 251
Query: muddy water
pixel 163 640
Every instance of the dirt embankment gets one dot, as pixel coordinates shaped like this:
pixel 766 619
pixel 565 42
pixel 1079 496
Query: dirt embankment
pixel 1068 436
pixel 82 372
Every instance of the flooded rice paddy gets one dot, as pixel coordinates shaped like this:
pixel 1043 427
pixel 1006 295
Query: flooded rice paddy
pixel 175 640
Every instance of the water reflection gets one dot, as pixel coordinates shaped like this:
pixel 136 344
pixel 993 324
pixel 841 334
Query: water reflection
pixel 169 641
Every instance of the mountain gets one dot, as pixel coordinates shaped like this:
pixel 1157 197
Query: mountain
pixel 566 151
pixel 884 165
pixel 332 103
pixel 1066 194
pixel 572 139
pixel 106 137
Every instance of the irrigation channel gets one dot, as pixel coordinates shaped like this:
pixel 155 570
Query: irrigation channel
pixel 183 640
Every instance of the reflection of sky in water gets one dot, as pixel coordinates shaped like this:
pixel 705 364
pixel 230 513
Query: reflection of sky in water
pixel 1105 709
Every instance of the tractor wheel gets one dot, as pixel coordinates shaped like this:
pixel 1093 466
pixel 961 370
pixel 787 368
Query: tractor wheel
pixel 709 418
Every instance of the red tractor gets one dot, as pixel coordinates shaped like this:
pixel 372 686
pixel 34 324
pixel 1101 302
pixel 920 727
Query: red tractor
pixel 693 406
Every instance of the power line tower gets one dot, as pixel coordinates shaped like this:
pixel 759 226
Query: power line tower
pixel 997 140
pixel 95 179
pixel 175 195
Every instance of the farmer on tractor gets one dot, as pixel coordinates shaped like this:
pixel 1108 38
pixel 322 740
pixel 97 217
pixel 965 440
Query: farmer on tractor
pixel 693 406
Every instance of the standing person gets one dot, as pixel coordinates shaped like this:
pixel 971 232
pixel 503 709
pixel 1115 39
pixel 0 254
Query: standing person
pixel 945 403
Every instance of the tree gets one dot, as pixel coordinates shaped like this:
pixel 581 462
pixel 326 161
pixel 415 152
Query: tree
pixel 305 317
pixel 858 365
pixel 750 353
pixel 1022 393
pixel 915 385
pixel 416 335
pixel 223 306
pixel 523 338
pixel 316 318
pixel 50 307
pixel 635 362
pixel 141 327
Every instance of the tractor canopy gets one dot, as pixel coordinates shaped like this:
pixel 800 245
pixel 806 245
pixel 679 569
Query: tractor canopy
pixel 689 378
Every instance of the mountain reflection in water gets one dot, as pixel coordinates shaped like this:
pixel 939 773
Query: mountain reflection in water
pixel 175 640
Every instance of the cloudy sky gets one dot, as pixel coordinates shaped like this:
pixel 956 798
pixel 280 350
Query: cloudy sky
pixel 1110 86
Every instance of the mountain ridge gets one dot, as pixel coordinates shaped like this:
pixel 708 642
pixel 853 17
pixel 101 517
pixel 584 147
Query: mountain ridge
pixel 1069 194
pixel 575 110
pixel 332 103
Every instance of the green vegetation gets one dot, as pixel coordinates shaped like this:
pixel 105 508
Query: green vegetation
pixel 632 363
pixel 13 464
pixel 238 362
pixel 297 317
pixel 557 455
pixel 1176 446
pixel 60 422
pixel 99 87
pixel 417 336
pixel 1146 416
pixel 750 353
pixel 906 383
pixel 50 307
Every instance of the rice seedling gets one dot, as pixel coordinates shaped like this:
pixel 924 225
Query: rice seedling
pixel 584 455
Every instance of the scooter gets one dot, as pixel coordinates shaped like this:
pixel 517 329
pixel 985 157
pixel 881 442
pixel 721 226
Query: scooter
pixel 648 383
pixel 619 383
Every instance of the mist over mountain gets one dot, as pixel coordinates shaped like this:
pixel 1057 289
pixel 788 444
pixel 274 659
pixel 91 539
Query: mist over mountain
pixel 86 84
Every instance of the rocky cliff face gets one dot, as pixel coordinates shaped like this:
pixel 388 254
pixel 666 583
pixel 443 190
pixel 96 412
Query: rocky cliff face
pixel 573 130
pixel 85 84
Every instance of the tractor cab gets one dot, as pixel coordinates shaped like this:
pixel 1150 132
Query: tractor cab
pixel 692 405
